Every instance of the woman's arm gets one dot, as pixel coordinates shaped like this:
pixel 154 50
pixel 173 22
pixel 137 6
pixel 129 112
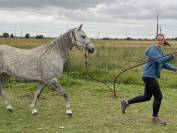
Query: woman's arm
pixel 169 67
pixel 154 55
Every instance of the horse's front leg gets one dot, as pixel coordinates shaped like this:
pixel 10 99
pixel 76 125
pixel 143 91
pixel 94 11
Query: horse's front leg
pixel 36 96
pixel 63 93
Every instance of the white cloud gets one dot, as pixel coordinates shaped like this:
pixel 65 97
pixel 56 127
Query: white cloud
pixel 118 18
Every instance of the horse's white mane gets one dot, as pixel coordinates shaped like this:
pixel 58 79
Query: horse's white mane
pixel 60 45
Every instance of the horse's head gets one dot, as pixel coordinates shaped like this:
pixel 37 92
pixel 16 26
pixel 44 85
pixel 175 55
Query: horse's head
pixel 81 40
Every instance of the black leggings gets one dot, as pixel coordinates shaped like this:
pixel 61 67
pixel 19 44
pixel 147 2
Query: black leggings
pixel 151 88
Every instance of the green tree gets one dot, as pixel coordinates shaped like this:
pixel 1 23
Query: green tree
pixel 39 37
pixel 12 35
pixel 5 34
pixel 27 35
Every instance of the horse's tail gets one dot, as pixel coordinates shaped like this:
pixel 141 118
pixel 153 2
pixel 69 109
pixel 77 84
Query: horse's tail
pixel 1 59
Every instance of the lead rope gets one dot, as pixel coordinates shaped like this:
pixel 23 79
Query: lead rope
pixel 101 81
pixel 119 74
pixel 114 85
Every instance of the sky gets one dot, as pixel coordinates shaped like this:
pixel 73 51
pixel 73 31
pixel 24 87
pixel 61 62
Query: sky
pixel 100 18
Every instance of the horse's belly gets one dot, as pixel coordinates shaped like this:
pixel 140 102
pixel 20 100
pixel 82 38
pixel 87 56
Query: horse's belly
pixel 23 71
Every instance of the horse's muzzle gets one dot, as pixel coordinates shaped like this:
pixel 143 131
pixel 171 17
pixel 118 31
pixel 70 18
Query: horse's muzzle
pixel 91 50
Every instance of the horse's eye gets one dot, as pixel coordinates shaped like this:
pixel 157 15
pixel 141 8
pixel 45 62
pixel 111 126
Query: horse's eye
pixel 83 36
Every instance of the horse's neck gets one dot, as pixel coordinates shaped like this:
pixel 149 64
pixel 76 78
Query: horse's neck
pixel 59 47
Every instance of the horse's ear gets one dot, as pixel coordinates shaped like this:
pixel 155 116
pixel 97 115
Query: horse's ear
pixel 80 27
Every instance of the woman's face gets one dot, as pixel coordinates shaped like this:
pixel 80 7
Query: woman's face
pixel 160 41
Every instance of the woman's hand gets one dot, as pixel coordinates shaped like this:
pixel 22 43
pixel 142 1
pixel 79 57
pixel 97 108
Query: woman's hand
pixel 174 54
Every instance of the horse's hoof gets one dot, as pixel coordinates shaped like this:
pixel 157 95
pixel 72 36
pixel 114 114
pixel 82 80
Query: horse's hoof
pixel 34 112
pixel 70 115
pixel 9 108
pixel 69 112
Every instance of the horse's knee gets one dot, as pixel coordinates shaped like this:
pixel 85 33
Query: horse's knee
pixel 65 94
pixel 53 82
pixel 38 95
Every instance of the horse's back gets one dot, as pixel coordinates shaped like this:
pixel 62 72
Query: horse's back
pixel 18 62
pixel 6 48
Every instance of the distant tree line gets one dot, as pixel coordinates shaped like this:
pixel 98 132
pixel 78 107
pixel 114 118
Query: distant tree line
pixel 27 35
pixel 131 39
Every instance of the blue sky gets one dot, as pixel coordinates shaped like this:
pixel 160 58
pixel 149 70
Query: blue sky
pixel 101 18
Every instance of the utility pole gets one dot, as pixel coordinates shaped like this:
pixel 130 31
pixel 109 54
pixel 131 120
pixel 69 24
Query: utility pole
pixel 160 29
pixel 157 25
pixel 67 27
pixel 15 32
pixel 98 35
pixel 157 32
pixel 21 33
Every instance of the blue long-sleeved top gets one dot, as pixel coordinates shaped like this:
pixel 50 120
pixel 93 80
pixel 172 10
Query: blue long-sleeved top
pixel 153 68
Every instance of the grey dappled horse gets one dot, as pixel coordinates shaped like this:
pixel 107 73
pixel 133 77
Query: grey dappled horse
pixel 43 64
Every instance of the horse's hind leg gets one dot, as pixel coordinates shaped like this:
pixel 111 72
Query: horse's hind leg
pixel 62 92
pixel 4 97
pixel 36 96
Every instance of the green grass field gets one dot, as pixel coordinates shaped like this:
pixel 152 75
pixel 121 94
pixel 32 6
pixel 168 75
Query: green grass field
pixel 94 111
